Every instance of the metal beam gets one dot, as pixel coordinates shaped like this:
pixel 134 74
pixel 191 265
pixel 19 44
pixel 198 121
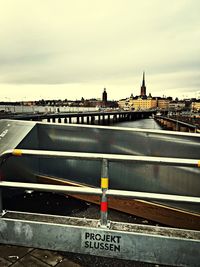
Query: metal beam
pixel 151 244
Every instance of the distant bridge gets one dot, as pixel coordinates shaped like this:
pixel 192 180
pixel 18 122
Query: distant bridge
pixel 101 118
pixel 177 124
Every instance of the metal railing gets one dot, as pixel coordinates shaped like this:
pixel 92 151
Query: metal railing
pixel 181 162
pixel 104 192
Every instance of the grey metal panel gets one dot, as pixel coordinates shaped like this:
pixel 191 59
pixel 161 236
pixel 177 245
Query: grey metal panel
pixel 126 241
pixel 116 140
pixel 127 176
pixel 23 135
pixel 12 133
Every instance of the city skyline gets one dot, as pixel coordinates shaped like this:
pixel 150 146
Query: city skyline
pixel 73 50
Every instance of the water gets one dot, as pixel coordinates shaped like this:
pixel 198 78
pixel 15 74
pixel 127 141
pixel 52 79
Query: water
pixel 142 124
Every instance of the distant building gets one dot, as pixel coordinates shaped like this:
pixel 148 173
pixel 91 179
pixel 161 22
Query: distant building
pixel 104 96
pixel 176 105
pixel 142 104
pixel 123 103
pixel 100 103
pixel 195 106
pixel 143 87
pixel 163 103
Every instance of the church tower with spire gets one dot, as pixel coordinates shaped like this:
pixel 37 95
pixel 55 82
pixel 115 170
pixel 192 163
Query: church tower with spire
pixel 143 87
pixel 104 96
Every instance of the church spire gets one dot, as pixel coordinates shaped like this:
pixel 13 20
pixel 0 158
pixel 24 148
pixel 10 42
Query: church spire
pixel 143 87
pixel 143 81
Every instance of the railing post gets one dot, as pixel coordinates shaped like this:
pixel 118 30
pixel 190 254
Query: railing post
pixel 82 119
pixel 1 197
pixel 1 205
pixel 92 119
pixel 104 199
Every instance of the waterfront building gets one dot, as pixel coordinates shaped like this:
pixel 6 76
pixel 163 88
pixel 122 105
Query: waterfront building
pixel 142 104
pixel 195 105
pixel 163 103
pixel 123 103
pixel 176 105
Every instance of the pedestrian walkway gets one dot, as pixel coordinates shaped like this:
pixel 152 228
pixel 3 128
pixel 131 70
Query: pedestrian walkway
pixel 16 256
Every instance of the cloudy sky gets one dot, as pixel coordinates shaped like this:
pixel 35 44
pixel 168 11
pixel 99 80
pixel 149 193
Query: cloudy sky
pixel 69 49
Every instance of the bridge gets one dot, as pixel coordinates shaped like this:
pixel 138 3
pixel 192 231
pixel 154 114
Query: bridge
pixel 178 124
pixel 99 117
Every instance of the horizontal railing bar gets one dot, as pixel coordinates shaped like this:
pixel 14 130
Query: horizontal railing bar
pixel 53 188
pixel 153 196
pixel 99 156
pixel 97 191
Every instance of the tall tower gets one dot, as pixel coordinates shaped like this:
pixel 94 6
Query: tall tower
pixel 143 87
pixel 104 96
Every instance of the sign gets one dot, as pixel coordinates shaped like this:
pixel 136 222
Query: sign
pixel 101 241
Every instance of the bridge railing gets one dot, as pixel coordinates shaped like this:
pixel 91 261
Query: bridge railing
pixel 104 192
pixel 181 122
pixel 182 162
pixel 146 243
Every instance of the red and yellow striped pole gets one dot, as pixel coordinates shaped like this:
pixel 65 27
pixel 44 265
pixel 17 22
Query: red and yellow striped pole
pixel 104 199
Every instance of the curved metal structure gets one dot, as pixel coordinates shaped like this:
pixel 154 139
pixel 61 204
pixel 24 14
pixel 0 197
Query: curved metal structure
pixel 153 176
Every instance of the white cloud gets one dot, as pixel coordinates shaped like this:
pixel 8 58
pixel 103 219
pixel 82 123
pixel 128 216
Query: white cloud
pixel 88 45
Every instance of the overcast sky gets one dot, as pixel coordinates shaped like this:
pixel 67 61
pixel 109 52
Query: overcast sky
pixel 73 48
